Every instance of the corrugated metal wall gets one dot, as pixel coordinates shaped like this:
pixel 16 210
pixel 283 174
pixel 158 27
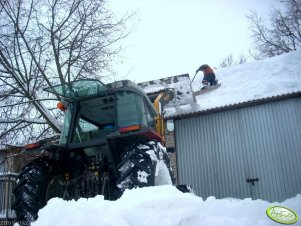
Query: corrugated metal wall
pixel 217 153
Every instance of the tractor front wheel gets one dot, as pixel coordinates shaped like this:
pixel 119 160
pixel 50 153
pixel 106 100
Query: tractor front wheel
pixel 143 165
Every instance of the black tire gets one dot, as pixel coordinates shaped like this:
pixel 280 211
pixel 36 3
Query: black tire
pixel 31 189
pixel 185 188
pixel 143 165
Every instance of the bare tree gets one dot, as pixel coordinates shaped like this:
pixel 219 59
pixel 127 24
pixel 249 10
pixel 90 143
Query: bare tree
pixel 242 59
pixel 47 42
pixel 281 34
pixel 229 60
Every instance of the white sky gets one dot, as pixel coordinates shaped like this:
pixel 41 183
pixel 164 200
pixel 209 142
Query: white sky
pixel 174 37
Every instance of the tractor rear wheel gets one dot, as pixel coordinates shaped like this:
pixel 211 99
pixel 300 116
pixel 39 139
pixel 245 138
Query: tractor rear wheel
pixel 143 165
pixel 30 191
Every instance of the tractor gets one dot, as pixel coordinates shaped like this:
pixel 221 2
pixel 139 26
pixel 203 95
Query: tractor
pixel 111 140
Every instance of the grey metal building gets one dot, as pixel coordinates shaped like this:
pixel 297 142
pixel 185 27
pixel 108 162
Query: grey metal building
pixel 252 149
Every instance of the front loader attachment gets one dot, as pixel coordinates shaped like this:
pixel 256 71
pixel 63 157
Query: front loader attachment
pixel 178 89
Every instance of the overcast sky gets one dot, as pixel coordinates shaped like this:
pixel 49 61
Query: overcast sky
pixel 174 37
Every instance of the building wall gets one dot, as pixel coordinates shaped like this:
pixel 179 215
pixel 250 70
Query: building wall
pixel 10 163
pixel 218 153
pixel 170 145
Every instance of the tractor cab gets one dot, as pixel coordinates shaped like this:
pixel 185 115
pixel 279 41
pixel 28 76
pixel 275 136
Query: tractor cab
pixel 94 111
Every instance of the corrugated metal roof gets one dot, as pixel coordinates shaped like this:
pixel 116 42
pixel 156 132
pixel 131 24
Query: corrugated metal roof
pixel 236 105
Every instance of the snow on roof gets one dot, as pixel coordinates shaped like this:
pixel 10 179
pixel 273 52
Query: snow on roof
pixel 248 82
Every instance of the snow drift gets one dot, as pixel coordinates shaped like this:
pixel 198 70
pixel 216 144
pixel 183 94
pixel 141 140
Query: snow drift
pixel 160 206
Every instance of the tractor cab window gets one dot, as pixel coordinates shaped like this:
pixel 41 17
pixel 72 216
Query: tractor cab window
pixel 95 120
pixel 132 110
pixel 66 126
pixel 150 118
pixel 84 131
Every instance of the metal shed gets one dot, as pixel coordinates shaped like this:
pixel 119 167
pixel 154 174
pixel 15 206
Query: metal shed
pixel 247 150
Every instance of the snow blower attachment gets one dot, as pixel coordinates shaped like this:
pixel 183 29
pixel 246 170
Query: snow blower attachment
pixel 111 140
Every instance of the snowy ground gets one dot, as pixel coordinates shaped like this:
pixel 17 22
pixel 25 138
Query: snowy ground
pixel 160 206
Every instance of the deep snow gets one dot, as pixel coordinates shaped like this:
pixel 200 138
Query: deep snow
pixel 160 206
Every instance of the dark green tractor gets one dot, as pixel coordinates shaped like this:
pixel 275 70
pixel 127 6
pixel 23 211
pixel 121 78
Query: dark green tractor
pixel 111 140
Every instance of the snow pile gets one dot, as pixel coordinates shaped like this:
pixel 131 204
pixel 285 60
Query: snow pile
pixel 183 93
pixel 180 84
pixel 161 205
pixel 246 82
